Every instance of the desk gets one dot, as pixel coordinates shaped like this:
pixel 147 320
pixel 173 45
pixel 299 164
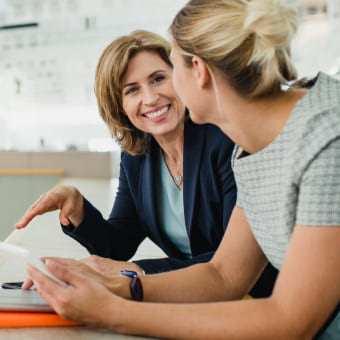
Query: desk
pixel 45 237
pixel 73 333
pixel 68 160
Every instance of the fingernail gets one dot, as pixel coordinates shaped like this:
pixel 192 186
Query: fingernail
pixel 30 267
pixel 24 286
pixel 49 262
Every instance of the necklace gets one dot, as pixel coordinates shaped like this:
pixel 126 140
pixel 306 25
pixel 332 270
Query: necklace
pixel 178 180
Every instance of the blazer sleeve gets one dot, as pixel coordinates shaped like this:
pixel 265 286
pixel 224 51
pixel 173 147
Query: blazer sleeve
pixel 119 236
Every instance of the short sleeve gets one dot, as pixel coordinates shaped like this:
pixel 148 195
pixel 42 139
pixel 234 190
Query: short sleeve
pixel 319 190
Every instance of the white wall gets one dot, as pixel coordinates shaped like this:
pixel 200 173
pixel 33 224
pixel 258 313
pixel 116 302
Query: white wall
pixel 46 73
pixel 317 45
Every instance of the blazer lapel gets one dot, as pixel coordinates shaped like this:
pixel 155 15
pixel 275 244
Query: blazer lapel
pixel 194 137
pixel 148 189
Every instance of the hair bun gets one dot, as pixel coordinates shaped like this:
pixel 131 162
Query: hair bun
pixel 246 40
pixel 274 25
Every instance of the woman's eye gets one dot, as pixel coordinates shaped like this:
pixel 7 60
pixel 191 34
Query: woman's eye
pixel 158 79
pixel 131 90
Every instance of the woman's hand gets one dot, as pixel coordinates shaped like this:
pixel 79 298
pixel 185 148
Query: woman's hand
pixel 110 267
pixel 83 299
pixel 115 283
pixel 67 199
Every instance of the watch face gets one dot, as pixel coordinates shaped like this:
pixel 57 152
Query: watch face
pixel 128 273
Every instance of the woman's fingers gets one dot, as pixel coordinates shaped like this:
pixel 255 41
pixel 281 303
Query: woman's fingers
pixel 44 204
pixel 45 286
pixel 64 219
pixel 61 261
pixel 28 284
pixel 66 212
pixel 64 270
pixel 80 268
pixel 61 269
pixel 67 262
pixel 83 300
pixel 67 199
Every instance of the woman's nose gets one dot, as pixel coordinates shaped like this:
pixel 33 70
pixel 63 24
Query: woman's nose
pixel 150 96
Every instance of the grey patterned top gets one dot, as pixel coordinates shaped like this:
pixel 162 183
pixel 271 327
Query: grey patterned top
pixel 296 178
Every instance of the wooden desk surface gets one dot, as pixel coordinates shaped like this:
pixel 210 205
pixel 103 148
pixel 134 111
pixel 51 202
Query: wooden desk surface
pixel 73 333
pixel 32 172
pixel 45 238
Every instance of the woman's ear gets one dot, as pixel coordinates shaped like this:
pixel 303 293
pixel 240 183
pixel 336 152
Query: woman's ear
pixel 201 72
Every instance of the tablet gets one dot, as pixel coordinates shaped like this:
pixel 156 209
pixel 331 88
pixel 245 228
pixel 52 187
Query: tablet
pixel 17 300
pixel 23 300
pixel 28 258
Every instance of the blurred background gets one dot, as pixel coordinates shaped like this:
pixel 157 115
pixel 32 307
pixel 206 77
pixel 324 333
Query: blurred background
pixel 50 129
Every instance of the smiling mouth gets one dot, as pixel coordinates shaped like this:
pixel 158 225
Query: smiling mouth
pixel 156 114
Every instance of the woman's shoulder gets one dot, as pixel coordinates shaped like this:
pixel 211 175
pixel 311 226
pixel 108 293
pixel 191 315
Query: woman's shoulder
pixel 316 120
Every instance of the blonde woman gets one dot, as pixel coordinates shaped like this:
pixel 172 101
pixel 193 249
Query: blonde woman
pixel 231 61
pixel 176 186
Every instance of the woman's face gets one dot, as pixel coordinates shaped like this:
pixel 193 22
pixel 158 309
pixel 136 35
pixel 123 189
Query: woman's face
pixel 149 99
pixel 186 84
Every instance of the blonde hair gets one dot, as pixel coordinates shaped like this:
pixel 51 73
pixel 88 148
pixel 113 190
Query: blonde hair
pixel 248 40
pixel 110 71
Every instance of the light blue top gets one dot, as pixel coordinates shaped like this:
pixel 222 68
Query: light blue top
pixel 171 210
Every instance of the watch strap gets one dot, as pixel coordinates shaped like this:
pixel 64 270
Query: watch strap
pixel 136 288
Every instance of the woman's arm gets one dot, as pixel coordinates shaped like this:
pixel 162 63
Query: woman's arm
pixel 306 293
pixel 119 236
pixel 238 255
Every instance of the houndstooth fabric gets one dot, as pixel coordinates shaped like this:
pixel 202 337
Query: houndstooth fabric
pixel 295 179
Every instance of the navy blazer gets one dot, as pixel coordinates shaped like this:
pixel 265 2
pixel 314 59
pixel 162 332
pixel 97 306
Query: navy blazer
pixel 209 195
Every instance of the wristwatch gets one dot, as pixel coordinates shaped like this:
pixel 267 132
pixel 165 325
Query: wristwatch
pixel 136 288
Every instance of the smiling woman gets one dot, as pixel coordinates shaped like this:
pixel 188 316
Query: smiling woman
pixel 149 100
pixel 117 84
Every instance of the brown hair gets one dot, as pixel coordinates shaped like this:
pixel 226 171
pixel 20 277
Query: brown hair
pixel 110 71
pixel 248 40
